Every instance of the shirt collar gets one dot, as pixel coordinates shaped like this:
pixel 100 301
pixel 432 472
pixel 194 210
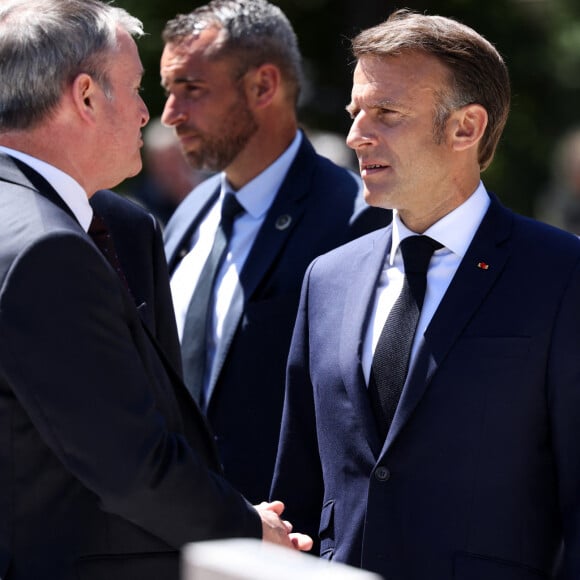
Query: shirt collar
pixel 67 188
pixel 258 195
pixel 455 230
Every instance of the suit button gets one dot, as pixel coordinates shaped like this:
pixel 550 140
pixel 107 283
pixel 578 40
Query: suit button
pixel 382 473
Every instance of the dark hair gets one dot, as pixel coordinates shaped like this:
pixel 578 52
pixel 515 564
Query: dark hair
pixel 254 32
pixel 478 72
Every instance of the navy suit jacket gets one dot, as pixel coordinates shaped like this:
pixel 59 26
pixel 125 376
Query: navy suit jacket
pixel 479 477
pixel 318 207
pixel 106 465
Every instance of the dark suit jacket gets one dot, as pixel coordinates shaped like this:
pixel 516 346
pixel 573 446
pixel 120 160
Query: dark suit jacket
pixel 322 206
pixel 106 466
pixel 138 241
pixel 479 477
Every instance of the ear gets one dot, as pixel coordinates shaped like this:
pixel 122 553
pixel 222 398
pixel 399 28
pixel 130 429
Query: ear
pixel 467 125
pixel 263 83
pixel 84 90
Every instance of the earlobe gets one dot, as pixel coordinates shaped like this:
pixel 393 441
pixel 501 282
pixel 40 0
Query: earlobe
pixel 469 127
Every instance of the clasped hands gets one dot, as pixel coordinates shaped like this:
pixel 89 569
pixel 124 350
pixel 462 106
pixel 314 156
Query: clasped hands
pixel 279 531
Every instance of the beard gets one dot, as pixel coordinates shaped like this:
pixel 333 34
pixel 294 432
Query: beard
pixel 218 150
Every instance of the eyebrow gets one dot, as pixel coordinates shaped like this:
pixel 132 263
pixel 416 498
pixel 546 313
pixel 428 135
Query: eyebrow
pixel 181 81
pixel 387 103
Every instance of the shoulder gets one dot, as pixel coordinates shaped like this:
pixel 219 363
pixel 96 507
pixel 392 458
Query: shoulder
pixel 347 256
pixel 554 250
pixel 118 209
pixel 27 217
pixel 331 186
pixel 194 203
pixel 528 236
pixel 324 171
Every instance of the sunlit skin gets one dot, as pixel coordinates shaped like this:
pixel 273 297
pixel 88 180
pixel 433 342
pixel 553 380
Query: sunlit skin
pixel 225 122
pixel 206 103
pixel 125 114
pixel 402 164
pixel 88 121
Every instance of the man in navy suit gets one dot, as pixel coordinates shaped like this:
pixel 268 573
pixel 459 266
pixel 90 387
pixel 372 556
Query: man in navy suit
pixel 477 474
pixel 232 73
pixel 107 466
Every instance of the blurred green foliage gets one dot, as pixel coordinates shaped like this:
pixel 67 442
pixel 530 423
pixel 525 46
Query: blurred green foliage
pixel 540 40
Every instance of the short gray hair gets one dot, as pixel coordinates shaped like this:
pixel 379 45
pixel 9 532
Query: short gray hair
pixel 45 45
pixel 254 32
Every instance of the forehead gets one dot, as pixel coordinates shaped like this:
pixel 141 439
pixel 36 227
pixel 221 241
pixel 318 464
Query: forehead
pixel 126 59
pixel 194 55
pixel 404 78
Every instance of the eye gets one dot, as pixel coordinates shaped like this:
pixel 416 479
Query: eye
pixel 389 116
pixel 193 90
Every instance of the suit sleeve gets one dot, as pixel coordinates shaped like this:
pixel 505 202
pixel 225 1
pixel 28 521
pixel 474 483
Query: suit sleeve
pixel 564 404
pixel 79 363
pixel 297 479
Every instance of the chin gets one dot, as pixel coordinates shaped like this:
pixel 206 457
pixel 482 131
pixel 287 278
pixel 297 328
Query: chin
pixel 376 199
pixel 135 169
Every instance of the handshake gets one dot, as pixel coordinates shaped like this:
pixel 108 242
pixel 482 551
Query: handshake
pixel 279 531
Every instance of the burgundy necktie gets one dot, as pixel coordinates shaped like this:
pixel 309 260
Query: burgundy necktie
pixel 100 234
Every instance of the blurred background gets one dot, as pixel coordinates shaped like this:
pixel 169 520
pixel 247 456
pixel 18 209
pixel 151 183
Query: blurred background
pixel 536 170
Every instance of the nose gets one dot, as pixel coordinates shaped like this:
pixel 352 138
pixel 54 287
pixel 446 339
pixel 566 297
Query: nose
pixel 172 115
pixel 360 133
pixel 145 116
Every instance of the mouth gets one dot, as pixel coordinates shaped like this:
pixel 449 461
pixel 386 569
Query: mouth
pixel 371 168
pixel 184 139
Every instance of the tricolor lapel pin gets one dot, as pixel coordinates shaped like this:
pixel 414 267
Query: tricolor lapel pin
pixel 483 265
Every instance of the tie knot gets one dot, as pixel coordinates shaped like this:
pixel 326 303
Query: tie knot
pixel 231 208
pixel 417 252
pixel 98 227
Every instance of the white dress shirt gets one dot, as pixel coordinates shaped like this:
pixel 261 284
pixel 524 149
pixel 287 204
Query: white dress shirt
pixel 256 197
pixel 67 188
pixel 455 231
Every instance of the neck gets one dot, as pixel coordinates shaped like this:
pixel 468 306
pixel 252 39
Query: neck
pixel 269 142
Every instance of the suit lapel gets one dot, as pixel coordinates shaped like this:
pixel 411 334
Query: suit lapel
pixel 357 308
pixel 281 219
pixel 468 289
pixel 13 171
pixel 187 218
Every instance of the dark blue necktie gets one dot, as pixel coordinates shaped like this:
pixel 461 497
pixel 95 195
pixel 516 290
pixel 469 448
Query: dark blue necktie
pixel 391 358
pixel 194 339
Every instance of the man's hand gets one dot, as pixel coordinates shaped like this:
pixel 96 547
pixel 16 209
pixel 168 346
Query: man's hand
pixel 279 531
